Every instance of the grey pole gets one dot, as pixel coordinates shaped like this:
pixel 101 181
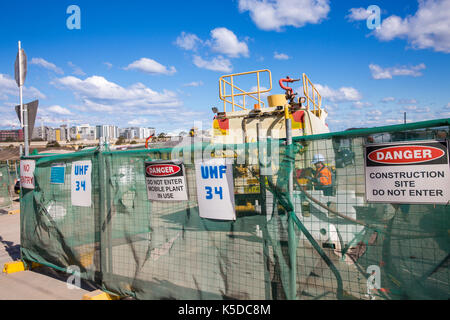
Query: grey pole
pixel 23 109
pixel 292 239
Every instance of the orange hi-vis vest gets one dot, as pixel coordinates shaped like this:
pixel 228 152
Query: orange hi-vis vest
pixel 323 175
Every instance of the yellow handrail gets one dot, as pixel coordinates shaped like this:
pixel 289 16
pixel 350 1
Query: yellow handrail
pixel 222 89
pixel 315 95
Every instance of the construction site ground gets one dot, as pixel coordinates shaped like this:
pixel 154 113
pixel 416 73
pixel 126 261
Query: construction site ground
pixel 40 283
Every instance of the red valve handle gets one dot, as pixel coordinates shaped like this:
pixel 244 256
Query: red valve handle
pixel 287 79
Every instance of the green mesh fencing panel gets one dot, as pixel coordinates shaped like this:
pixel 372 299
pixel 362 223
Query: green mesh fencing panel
pixel 299 243
pixel 5 186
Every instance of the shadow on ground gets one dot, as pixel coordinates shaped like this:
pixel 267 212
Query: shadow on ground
pixel 12 249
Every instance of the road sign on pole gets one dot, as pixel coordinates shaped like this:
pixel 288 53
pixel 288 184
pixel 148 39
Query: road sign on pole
pixel 20 67
pixel 31 107
pixel 20 72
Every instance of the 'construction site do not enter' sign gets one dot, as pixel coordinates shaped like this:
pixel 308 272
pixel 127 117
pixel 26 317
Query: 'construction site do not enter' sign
pixel 412 172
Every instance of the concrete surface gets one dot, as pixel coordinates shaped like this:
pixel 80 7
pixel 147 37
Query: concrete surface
pixel 38 284
pixel 9 234
pixel 31 285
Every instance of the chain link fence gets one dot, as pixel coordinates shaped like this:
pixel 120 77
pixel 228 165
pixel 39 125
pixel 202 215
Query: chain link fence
pixel 299 243
pixel 6 186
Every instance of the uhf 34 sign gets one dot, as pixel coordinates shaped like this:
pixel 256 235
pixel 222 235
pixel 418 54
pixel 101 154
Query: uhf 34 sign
pixel 412 172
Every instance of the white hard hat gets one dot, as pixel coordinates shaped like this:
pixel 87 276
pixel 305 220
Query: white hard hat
pixel 318 158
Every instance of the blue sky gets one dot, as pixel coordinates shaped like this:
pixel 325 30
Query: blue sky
pixel 157 63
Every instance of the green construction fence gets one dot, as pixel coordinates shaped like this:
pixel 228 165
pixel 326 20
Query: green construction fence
pixel 285 242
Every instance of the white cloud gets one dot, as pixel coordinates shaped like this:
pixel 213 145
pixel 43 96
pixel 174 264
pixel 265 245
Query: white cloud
pixel 188 41
pixel 447 106
pixel 138 122
pixel 59 110
pixel 443 115
pixel 4 122
pixel 108 65
pixel 387 73
pixel 224 41
pixel 275 14
pixel 410 108
pixel 47 65
pixel 76 70
pixel 375 113
pixel 428 28
pixel 216 64
pixel 417 110
pixel 8 87
pixel 99 94
pixel 255 88
pixel 343 94
pixel 360 104
pixel 150 66
pixel 280 56
pixel 388 99
pixel 193 84
pixel 407 101
pixel 357 14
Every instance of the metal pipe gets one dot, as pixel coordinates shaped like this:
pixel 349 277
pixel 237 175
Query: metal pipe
pixel 292 239
pixel 23 109
pixel 259 94
pixel 262 189
pixel 232 94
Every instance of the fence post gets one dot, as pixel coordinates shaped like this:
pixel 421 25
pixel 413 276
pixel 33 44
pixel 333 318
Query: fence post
pixel 263 199
pixel 102 216
pixel 292 241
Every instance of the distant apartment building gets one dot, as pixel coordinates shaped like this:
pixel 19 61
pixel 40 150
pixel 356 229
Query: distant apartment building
pixel 11 135
pixel 41 132
pixel 81 132
pixel 64 132
pixel 85 132
pixel 107 131
pixel 137 133
pixel 144 133
pixel 51 135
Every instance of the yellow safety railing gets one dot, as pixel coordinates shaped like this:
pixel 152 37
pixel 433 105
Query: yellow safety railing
pixel 316 99
pixel 229 81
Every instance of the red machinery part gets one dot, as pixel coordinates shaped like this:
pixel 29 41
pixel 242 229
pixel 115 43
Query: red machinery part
pixel 298 116
pixel 146 141
pixel 287 79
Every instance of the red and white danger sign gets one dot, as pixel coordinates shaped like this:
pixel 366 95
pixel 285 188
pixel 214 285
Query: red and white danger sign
pixel 410 172
pixel 165 180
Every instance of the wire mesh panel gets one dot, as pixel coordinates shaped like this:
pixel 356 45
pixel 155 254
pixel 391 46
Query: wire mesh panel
pixel 5 187
pixel 318 241
pixel 59 233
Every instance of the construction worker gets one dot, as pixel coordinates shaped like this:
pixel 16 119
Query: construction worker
pixel 322 175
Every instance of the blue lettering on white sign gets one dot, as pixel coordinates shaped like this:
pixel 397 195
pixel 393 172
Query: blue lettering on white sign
pixel 81 170
pixel 81 191
pixel 217 191
pixel 80 185
pixel 213 172
pixel 215 194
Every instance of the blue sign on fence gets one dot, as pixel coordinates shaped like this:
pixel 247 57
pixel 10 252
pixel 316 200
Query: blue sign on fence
pixel 57 174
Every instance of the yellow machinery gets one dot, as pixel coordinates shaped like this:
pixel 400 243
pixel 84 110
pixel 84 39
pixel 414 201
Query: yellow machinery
pixel 246 115
pixel 243 109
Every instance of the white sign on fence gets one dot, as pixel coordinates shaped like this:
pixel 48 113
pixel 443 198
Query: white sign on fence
pixel 412 172
pixel 165 180
pixel 81 183
pixel 215 190
pixel 27 173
